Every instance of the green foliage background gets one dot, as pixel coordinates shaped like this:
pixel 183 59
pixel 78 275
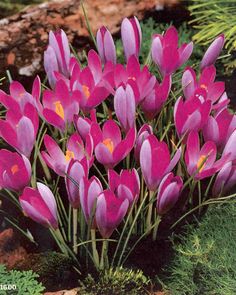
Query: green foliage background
pixel 8 7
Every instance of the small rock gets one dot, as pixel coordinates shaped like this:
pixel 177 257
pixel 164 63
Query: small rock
pixel 64 292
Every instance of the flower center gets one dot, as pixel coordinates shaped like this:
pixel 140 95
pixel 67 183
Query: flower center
pixel 109 144
pixel 59 109
pixel 86 91
pixel 69 155
pixel 14 169
pixel 132 78
pixel 201 163
pixel 203 86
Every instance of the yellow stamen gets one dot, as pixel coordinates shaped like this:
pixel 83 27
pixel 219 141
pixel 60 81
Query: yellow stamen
pixel 203 86
pixel 201 163
pixel 86 91
pixel 132 78
pixel 69 155
pixel 14 169
pixel 59 109
pixel 109 144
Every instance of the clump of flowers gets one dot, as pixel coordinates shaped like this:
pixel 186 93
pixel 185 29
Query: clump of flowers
pixel 118 149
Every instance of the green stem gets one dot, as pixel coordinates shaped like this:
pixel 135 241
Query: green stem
pixel 149 215
pixel 94 248
pixel 75 230
pixel 104 263
pixel 154 233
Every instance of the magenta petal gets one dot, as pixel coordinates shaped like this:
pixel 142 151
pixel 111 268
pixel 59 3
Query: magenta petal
pixel 52 118
pixel 221 179
pixel 188 83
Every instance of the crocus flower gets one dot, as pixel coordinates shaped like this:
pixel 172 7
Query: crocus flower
pixel 109 212
pixel 90 86
pixel 57 56
pixel 89 190
pixel 166 54
pixel 59 106
pixel 83 124
pixel 126 185
pixel 191 114
pixel 229 148
pixel 111 149
pixel 40 205
pixel 168 193
pixel 19 97
pixel 155 161
pixel 131 36
pixel 58 161
pixel 153 102
pixel 15 170
pixel 124 105
pixel 201 162
pixel 190 85
pixel 219 128
pixel 75 171
pixel 105 45
pixel 212 52
pixel 141 80
pixel 143 134
pixel 225 179
pixel 20 128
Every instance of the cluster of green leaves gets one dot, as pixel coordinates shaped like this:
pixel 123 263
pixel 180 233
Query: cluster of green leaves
pixel 8 7
pixel 211 18
pixel 25 281
pixel 119 281
pixel 206 258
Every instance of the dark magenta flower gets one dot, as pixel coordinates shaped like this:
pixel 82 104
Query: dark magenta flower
pixel 225 179
pixel 191 114
pixel 75 171
pixel 126 185
pixel 124 105
pixel 19 129
pixel 57 56
pixel 40 205
pixel 219 128
pixel 155 100
pixel 131 36
pixel 89 190
pixel 15 170
pixel 110 148
pixel 83 124
pixel 109 212
pixel 168 193
pixel 214 90
pixel 166 54
pixel 59 105
pixel 201 162
pixel 155 161
pixel 212 52
pixel 105 45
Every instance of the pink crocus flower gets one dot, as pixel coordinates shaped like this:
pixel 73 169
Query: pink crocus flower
pixel 90 85
pixel 225 179
pixel 201 162
pixel 15 170
pixel 143 134
pixel 89 190
pixel 59 105
pixel 212 52
pixel 19 97
pixel 110 148
pixel 83 124
pixel 124 105
pixel 166 54
pixel 191 114
pixel 131 36
pixel 219 128
pixel 141 80
pixel 57 56
pixel 125 185
pixel 105 45
pixel 229 148
pixel 58 161
pixel 40 205
pixel 214 90
pixel 109 212
pixel 19 129
pixel 75 171
pixel 168 193
pixel 153 102
pixel 155 161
